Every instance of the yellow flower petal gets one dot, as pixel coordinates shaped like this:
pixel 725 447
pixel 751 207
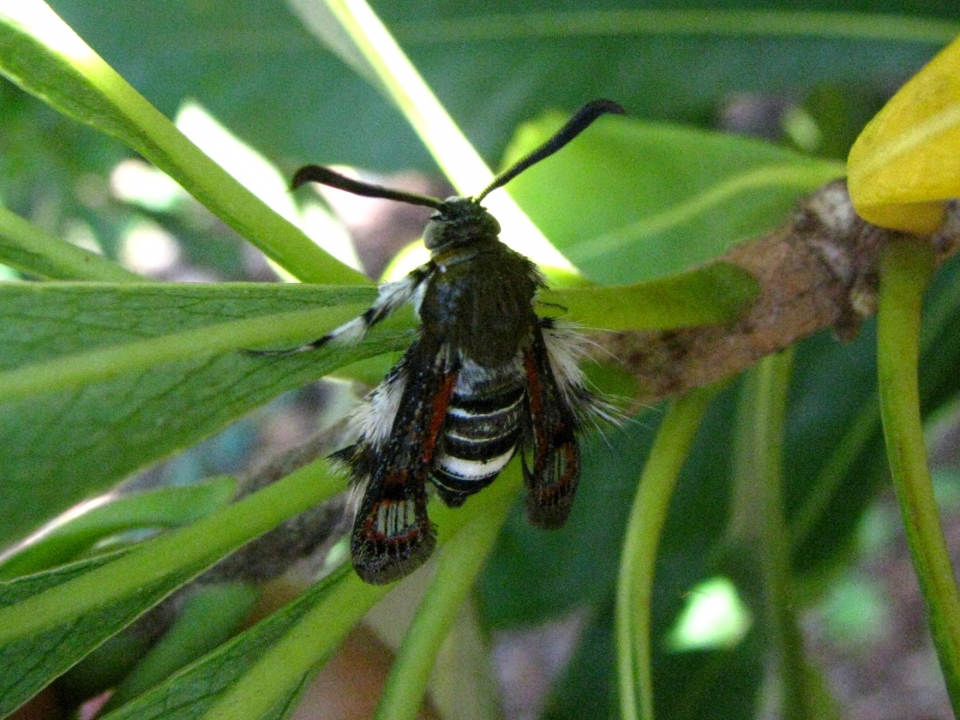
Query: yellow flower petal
pixel 906 161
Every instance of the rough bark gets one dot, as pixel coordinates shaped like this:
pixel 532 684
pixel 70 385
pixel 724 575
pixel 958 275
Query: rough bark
pixel 817 271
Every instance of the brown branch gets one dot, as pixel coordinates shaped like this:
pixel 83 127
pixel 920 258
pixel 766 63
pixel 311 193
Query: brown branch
pixel 818 270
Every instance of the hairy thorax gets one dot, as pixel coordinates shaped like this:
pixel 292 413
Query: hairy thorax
pixel 481 300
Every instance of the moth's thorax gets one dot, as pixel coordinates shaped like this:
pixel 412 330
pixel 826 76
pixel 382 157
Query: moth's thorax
pixel 480 300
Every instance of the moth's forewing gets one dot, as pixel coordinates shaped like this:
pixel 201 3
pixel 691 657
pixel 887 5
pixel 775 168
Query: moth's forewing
pixel 392 534
pixel 551 465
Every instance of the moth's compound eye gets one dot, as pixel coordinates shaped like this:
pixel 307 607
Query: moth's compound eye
pixel 434 232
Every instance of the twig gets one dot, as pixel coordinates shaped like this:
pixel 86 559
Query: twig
pixel 817 271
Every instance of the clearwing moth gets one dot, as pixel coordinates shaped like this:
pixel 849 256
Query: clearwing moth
pixel 486 376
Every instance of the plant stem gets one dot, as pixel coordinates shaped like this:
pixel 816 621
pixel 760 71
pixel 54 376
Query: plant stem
pixel 460 561
pixel 780 23
pixel 760 473
pixel 191 548
pixel 905 270
pixel 647 518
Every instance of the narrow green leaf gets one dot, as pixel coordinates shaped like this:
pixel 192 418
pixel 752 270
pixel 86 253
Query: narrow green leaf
pixel 279 671
pixel 313 624
pixel 33 251
pixel 646 22
pixel 906 267
pixel 462 164
pixel 41 54
pixel 207 618
pixel 717 293
pixel 161 508
pixel 45 633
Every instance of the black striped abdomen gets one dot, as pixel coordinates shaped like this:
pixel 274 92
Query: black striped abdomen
pixel 480 434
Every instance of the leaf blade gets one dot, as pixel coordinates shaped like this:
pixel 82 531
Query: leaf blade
pixel 45 629
pixel 77 442
pixel 625 203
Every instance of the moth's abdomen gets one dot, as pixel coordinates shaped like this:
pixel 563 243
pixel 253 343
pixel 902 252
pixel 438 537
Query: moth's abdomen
pixel 480 434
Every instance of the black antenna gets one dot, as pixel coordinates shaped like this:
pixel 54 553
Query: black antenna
pixel 326 176
pixel 576 125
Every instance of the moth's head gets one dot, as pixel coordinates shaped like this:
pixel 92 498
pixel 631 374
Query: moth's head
pixel 459 221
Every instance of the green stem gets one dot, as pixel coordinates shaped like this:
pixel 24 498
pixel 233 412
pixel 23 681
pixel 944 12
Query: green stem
pixel 647 518
pixel 759 474
pixel 906 267
pixel 576 24
pixel 207 618
pixel 299 653
pixel 459 563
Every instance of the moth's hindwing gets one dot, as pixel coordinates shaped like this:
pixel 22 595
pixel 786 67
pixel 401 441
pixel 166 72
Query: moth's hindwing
pixel 392 534
pixel 551 465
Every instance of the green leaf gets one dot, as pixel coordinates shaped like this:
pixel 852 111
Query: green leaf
pixel 625 203
pixel 29 249
pixel 208 617
pixel 161 508
pixel 294 641
pixel 35 657
pixel 133 410
pixel 714 294
pixel 639 553
pixel 40 53
pixel 758 522
pixel 45 628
